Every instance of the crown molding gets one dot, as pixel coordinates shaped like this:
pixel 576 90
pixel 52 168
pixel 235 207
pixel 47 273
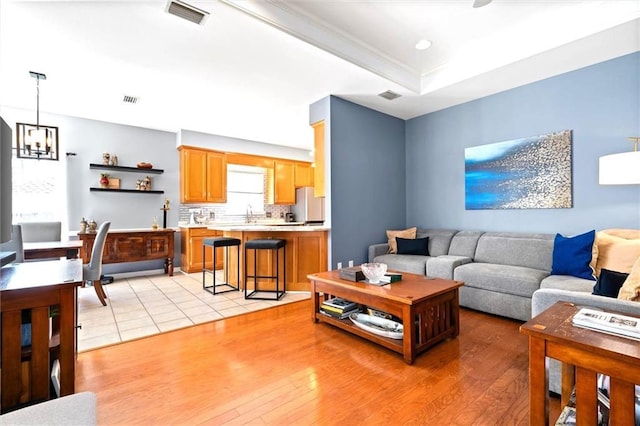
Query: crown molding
pixel 287 18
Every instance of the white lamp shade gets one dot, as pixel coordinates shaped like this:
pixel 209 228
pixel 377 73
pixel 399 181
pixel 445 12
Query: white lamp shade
pixel 620 169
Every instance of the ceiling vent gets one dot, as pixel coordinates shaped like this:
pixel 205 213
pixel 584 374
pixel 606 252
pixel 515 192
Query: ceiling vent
pixel 186 11
pixel 127 99
pixel 389 95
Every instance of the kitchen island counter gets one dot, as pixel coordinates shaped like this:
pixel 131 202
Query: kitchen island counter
pixel 248 227
pixel 306 248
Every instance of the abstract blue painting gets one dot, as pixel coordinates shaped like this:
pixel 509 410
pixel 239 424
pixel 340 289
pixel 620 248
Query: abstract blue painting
pixel 527 173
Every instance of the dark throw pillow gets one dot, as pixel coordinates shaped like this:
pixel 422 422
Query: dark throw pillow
pixel 609 283
pixel 413 246
pixel 572 255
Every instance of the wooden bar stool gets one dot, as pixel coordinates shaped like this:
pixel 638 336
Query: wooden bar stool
pixel 214 243
pixel 273 245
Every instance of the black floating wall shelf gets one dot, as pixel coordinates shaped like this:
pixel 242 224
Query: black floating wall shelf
pixel 126 169
pixel 125 190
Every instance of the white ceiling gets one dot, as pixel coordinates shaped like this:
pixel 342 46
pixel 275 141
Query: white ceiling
pixel 255 66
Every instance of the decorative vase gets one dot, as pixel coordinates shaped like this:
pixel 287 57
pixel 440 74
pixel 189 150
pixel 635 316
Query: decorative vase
pixel 83 225
pixel 104 180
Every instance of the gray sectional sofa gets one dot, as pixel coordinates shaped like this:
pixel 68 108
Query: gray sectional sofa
pixel 501 270
pixel 507 274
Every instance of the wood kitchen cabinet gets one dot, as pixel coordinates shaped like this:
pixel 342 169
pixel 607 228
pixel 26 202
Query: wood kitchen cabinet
pixel 284 187
pixel 203 176
pixel 191 249
pixel 280 183
pixel 303 175
pixel 318 171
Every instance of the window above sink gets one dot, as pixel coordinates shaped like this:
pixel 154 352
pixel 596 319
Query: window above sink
pixel 246 186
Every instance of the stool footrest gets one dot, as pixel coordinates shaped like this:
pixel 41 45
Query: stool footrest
pixel 213 289
pixel 255 294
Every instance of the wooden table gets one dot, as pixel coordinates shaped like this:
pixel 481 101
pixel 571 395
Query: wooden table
pixel 428 308
pixel 37 287
pixel 133 246
pixel 51 249
pixel 584 353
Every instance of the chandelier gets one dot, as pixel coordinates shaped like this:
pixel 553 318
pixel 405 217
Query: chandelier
pixel 34 140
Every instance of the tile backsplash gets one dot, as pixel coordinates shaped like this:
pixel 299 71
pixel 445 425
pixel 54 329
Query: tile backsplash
pixel 218 212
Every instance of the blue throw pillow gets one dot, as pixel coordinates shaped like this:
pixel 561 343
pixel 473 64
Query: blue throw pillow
pixel 413 246
pixel 609 283
pixel 572 255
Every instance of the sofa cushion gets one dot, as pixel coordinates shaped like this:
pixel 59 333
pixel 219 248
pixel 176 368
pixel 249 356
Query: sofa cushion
pixel 439 240
pixel 404 233
pixel 617 250
pixel 609 283
pixel 572 255
pixel 404 263
pixel 516 249
pixel 464 243
pixel 443 266
pixel 631 287
pixel 567 282
pixel 516 280
pixel 418 246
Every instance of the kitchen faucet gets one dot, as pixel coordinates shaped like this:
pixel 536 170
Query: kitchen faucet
pixel 249 213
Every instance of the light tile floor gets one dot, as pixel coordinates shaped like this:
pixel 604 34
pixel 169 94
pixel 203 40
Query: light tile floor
pixel 144 306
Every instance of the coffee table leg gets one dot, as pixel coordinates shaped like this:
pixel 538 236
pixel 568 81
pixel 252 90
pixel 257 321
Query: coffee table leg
pixel 409 335
pixel 316 301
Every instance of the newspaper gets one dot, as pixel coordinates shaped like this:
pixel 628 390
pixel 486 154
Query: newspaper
pixel 618 324
pixel 567 417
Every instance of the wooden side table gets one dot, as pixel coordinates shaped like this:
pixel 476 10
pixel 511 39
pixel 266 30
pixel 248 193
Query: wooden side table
pixel 584 353
pixel 37 286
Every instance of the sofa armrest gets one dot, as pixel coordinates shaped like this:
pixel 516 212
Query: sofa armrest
pixel 75 409
pixel 545 297
pixel 443 266
pixel 376 250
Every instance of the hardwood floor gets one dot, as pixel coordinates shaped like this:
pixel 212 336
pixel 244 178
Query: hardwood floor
pixel 277 367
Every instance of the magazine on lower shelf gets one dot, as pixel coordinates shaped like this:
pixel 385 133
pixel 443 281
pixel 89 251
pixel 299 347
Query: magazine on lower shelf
pixel 333 314
pixel 618 324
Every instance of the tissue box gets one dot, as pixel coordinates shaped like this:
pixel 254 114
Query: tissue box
pixel 353 273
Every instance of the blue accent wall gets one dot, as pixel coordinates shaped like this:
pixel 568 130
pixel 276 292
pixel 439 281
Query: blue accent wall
pixel 367 163
pixel 600 104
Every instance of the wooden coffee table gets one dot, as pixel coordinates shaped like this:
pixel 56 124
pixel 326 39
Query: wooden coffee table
pixel 428 308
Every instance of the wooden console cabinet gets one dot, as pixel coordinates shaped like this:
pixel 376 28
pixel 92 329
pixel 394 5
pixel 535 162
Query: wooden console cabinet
pixel 133 246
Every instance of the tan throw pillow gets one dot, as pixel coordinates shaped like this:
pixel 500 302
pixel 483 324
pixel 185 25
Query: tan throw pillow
pixel 617 253
pixel 630 289
pixel 409 233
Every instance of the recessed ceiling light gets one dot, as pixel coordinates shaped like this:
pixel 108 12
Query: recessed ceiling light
pixel 423 44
